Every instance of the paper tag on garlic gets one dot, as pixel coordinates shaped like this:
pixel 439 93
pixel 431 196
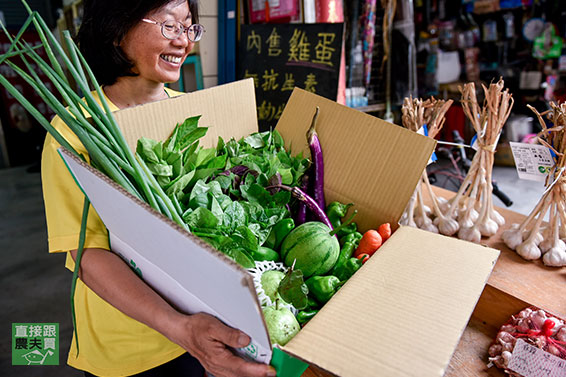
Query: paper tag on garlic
pixel 533 161
pixel 531 361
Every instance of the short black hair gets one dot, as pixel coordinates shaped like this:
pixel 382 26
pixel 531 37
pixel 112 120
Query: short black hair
pixel 104 25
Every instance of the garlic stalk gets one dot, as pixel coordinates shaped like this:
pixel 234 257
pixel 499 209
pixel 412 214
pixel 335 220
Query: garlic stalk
pixel 416 115
pixel 473 203
pixel 550 245
pixel 528 249
pixel 407 218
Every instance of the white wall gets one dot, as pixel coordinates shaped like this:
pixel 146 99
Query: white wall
pixel 208 16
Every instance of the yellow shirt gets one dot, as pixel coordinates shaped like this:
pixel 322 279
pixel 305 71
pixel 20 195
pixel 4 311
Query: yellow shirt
pixel 110 343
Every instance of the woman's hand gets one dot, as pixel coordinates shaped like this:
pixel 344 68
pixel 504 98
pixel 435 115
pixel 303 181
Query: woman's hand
pixel 207 339
pixel 202 335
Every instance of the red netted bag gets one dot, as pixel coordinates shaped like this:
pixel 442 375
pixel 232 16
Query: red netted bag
pixel 535 327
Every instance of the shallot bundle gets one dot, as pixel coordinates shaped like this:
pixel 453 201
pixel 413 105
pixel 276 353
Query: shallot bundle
pixel 535 327
pixel 470 213
pixel 417 114
pixel 529 239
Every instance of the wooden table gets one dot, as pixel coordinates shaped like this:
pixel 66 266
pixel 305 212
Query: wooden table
pixel 513 285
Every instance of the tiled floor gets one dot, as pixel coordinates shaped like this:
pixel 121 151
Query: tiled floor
pixel 35 285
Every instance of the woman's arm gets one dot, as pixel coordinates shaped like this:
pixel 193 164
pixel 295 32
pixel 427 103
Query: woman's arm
pixel 202 335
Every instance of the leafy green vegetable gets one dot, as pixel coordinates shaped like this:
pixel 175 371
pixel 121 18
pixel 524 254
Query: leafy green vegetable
pixel 231 209
pixel 293 289
pixel 201 218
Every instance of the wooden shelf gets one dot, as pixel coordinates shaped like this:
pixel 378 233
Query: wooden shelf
pixel 513 285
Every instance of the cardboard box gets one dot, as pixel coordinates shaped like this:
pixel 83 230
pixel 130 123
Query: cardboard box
pixel 402 314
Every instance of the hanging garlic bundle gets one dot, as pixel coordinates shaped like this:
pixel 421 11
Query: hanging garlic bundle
pixel 473 205
pixel 529 239
pixel 416 114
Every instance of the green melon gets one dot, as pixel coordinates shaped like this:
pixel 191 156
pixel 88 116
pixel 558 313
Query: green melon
pixel 313 248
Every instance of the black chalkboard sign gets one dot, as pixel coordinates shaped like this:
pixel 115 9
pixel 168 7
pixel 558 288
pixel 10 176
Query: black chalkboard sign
pixel 280 57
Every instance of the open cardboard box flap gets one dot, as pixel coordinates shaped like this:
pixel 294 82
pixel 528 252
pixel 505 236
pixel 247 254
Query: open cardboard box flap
pixel 401 314
pixel 367 161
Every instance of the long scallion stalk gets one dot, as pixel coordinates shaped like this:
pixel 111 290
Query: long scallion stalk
pixel 12 47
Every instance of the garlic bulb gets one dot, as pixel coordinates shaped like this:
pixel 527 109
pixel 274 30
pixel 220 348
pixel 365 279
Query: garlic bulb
pixel 546 245
pixel 555 257
pixel 430 227
pixel 496 216
pixel 465 222
pixel 488 227
pixel 427 210
pixel 422 220
pixel 538 318
pixel 474 215
pixel 538 238
pixel 443 204
pixel 512 237
pixel 409 222
pixel 506 355
pixel 470 234
pixel 528 250
pixel 447 226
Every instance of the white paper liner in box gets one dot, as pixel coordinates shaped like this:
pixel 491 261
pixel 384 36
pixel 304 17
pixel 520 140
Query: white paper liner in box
pixel 257 272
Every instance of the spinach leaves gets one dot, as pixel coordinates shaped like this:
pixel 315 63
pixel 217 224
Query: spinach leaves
pixel 223 191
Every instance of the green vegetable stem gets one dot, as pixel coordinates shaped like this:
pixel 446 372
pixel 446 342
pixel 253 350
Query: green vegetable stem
pixel 266 254
pixel 348 229
pixel 278 232
pixel 345 228
pixel 323 287
pixel 305 315
pixel 335 212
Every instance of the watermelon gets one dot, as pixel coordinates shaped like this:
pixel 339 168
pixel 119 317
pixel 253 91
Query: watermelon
pixel 313 248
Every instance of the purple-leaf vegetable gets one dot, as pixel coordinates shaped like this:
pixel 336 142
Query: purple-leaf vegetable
pixel 317 161
pixel 275 180
pixel 238 170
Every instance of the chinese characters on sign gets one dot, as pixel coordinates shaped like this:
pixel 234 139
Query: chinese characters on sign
pixel 284 56
pixel 531 361
pixel 533 161
pixel 35 344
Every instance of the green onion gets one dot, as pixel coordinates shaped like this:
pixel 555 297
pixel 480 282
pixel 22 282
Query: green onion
pixel 100 133
pixel 91 121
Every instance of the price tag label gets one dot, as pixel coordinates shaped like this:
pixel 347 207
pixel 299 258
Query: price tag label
pixel 533 161
pixel 531 361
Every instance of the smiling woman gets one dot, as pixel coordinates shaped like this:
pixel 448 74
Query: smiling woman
pixel 122 326
pixel 107 22
pixel 130 55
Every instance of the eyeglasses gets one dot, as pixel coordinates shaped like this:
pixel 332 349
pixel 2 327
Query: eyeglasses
pixel 171 29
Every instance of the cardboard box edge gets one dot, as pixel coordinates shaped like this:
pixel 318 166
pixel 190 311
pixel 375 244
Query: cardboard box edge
pixel 246 278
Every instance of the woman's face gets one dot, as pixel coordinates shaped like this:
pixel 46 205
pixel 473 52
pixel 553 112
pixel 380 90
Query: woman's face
pixel 155 57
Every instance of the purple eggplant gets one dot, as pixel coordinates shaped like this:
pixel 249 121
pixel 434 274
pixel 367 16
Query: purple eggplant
pixel 301 213
pixel 310 203
pixel 317 162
